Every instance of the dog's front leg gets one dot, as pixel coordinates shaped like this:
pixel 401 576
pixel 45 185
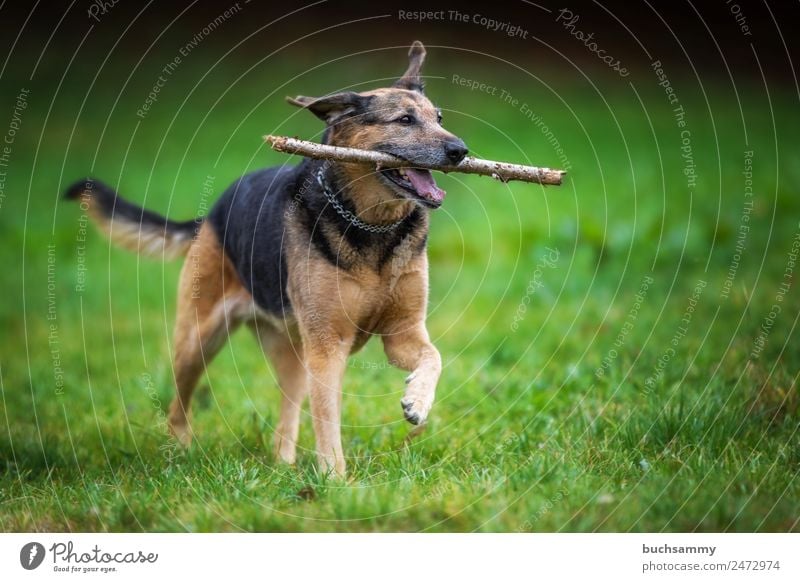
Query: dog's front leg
pixel 326 359
pixel 412 350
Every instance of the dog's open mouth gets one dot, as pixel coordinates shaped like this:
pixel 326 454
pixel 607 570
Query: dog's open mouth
pixel 419 182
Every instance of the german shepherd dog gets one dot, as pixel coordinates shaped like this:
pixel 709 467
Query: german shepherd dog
pixel 315 258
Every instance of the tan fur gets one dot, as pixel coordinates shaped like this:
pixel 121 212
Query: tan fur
pixel 286 354
pixel 211 304
pixel 373 202
pixel 368 196
pixel 335 310
pixel 376 289
pixel 140 238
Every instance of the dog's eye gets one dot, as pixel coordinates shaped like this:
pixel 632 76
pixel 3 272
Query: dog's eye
pixel 406 119
pixel 439 117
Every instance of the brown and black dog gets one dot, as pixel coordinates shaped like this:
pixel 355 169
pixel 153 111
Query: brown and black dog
pixel 315 258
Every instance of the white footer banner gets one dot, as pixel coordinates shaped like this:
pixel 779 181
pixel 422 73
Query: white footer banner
pixel 389 557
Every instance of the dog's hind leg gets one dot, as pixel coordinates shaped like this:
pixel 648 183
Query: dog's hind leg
pixel 210 303
pixel 287 360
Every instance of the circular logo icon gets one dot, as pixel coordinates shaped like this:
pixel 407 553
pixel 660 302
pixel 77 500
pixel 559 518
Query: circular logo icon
pixel 31 555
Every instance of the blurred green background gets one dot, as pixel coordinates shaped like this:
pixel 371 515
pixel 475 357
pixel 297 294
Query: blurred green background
pixel 614 359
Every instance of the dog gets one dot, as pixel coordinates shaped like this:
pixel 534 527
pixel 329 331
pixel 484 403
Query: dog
pixel 314 258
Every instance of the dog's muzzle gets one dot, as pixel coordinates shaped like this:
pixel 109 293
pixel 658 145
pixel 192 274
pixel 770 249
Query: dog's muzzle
pixel 420 182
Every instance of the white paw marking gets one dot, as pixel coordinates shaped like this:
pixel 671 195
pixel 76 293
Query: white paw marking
pixel 418 399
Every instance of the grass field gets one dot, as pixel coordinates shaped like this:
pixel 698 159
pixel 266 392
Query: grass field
pixel 612 362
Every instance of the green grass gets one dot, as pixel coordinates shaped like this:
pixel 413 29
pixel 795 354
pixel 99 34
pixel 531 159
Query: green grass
pixel 525 435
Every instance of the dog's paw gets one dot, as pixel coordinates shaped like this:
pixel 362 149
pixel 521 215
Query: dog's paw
pixel 183 435
pixel 285 450
pixel 418 399
pixel 414 411
pixel 181 430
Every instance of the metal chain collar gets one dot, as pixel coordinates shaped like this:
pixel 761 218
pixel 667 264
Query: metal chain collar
pixel 349 216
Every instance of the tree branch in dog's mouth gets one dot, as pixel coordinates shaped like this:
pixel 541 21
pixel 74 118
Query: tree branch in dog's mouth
pixel 416 173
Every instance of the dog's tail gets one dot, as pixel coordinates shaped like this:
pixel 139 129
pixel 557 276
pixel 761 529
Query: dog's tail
pixel 130 226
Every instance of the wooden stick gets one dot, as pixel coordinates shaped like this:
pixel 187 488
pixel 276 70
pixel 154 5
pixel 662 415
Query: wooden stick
pixel 469 165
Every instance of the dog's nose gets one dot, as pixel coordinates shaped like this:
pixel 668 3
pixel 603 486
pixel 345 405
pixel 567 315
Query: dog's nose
pixel 455 150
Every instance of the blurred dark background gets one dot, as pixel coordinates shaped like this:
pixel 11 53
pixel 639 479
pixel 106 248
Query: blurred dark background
pixel 715 36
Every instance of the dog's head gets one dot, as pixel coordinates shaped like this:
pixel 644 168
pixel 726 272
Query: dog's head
pixel 399 120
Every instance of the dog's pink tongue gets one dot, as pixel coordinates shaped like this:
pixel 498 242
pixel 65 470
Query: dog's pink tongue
pixel 424 184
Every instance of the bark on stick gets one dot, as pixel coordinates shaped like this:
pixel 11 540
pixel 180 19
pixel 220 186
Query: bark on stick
pixel 499 170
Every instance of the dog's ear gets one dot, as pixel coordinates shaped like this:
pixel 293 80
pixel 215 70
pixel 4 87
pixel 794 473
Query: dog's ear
pixel 411 79
pixel 333 107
